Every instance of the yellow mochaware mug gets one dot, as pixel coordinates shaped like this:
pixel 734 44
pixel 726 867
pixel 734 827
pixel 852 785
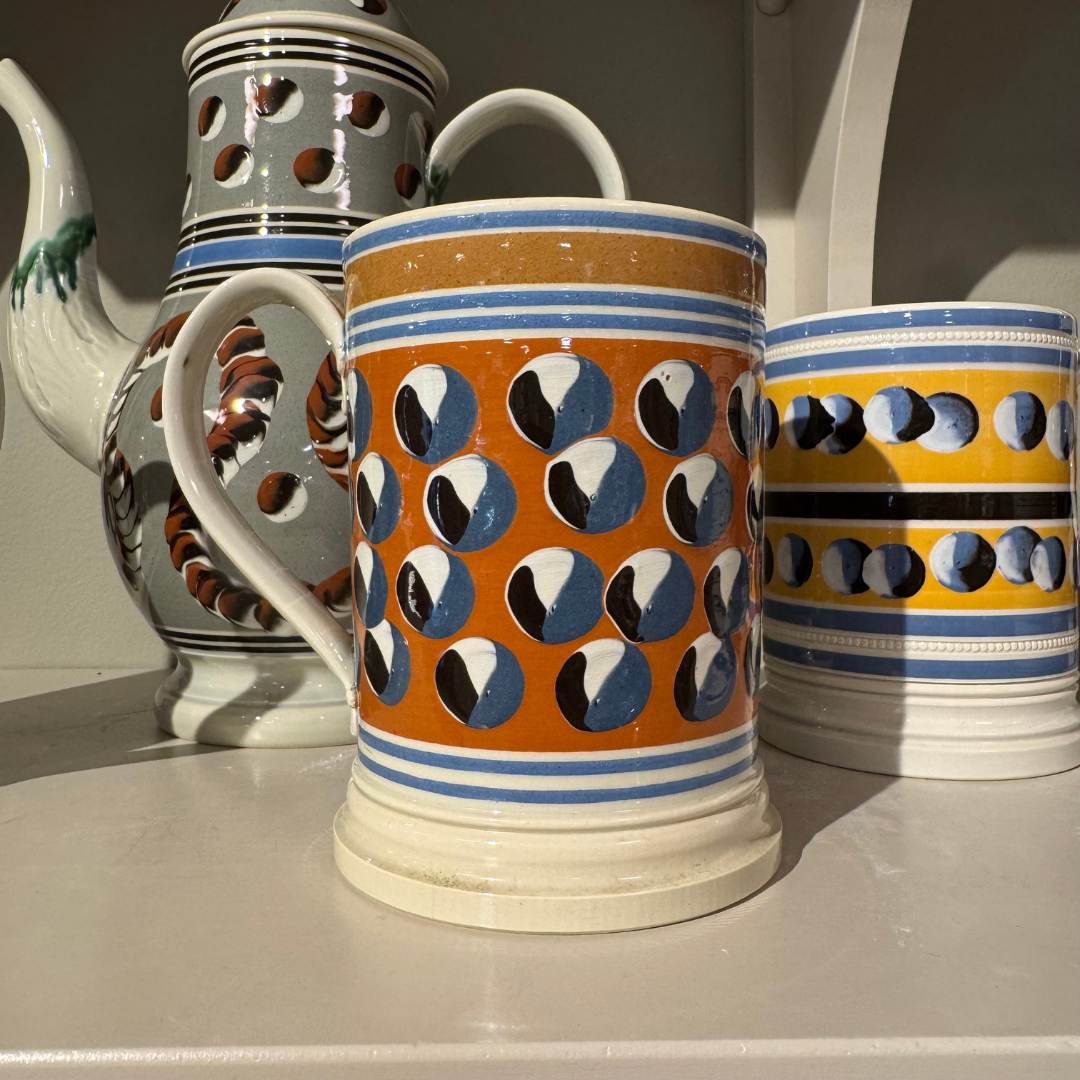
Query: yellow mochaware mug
pixel 920 612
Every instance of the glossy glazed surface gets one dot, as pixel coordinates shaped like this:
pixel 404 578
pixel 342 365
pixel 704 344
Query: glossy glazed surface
pixel 921 532
pixel 298 132
pixel 383 14
pixel 553 457
pixel 557 503
pixel 291 147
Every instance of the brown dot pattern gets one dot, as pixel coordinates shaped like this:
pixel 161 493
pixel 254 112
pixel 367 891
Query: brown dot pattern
pixel 367 109
pixel 273 95
pixel 276 491
pixel 313 167
pixel 407 180
pixel 231 161
pixel 209 112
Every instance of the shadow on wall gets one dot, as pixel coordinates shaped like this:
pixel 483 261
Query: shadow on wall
pixel 979 184
pixel 668 93
pixel 119 86
pixel 816 77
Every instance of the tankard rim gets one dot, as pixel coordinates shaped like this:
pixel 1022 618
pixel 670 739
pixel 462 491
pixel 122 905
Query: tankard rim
pixel 755 245
pixel 922 306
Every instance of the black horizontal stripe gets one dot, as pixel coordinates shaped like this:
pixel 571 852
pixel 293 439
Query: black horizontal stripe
pixel 236 268
pixel 243 641
pixel 263 637
pixel 920 505
pixel 240 647
pixel 266 57
pixel 323 273
pixel 326 218
pixel 331 281
pixel 332 231
pixel 204 58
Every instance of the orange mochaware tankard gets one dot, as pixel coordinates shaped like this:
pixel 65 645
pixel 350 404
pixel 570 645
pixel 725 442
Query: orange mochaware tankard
pixel 556 510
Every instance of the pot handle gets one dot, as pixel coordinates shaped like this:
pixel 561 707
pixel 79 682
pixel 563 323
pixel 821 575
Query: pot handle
pixel 185 437
pixel 510 107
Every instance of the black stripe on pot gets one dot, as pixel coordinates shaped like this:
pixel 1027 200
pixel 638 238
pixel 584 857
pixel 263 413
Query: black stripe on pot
pixel 239 647
pixel 331 281
pixel 334 232
pixel 331 219
pixel 921 505
pixel 257 639
pixel 269 57
pixel 203 58
pixel 221 268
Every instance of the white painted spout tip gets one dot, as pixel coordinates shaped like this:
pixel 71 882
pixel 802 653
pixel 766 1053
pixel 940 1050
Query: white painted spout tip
pixel 14 83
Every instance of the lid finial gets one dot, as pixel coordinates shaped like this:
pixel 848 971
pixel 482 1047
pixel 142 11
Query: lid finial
pixel 384 13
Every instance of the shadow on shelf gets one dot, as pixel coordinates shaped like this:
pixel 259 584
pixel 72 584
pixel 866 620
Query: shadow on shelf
pixel 86 727
pixel 810 797
pixel 839 550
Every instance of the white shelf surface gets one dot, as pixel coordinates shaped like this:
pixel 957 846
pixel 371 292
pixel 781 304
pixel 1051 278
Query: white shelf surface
pixel 168 909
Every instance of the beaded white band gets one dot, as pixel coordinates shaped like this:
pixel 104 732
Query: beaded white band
pixel 902 644
pixel 885 338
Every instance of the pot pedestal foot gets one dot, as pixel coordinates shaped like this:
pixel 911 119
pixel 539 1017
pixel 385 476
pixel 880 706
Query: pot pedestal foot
pixel 546 869
pixel 281 701
pixel 985 731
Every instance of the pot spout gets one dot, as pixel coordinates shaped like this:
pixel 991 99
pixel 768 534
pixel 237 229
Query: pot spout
pixel 67 354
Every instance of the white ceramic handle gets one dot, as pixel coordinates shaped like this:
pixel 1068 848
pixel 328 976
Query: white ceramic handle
pixel 534 107
pixel 185 436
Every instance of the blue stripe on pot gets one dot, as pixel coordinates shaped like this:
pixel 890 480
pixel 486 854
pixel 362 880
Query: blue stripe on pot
pixel 558 322
pixel 259 248
pixel 922 355
pixel 914 623
pixel 913 318
pixel 557 796
pixel 561 298
pixel 656 758
pixel 560 218
pixel 905 667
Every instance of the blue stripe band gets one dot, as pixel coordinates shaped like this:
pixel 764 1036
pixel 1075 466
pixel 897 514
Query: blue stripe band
pixel 1020 319
pixel 555 298
pixel 917 623
pixel 266 247
pixel 914 668
pixel 562 323
pixel 557 796
pixel 555 218
pixel 585 766
pixel 942 356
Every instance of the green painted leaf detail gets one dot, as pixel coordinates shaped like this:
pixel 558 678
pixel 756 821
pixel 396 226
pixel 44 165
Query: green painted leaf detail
pixel 438 179
pixel 56 260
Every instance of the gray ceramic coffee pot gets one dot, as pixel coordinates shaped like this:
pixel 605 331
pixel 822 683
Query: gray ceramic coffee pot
pixel 303 125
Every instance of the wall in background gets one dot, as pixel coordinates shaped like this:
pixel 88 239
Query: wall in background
pixel 668 91
pixel 979 192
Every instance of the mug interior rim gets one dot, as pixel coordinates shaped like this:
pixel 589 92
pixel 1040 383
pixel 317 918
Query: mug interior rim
pixel 924 305
pixel 550 202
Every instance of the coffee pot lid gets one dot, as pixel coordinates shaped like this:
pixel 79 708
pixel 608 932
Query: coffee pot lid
pixel 382 13
pixel 379 19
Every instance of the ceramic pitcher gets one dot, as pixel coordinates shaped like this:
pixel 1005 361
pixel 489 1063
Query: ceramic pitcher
pixel 921 549
pixel 556 490
pixel 305 121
